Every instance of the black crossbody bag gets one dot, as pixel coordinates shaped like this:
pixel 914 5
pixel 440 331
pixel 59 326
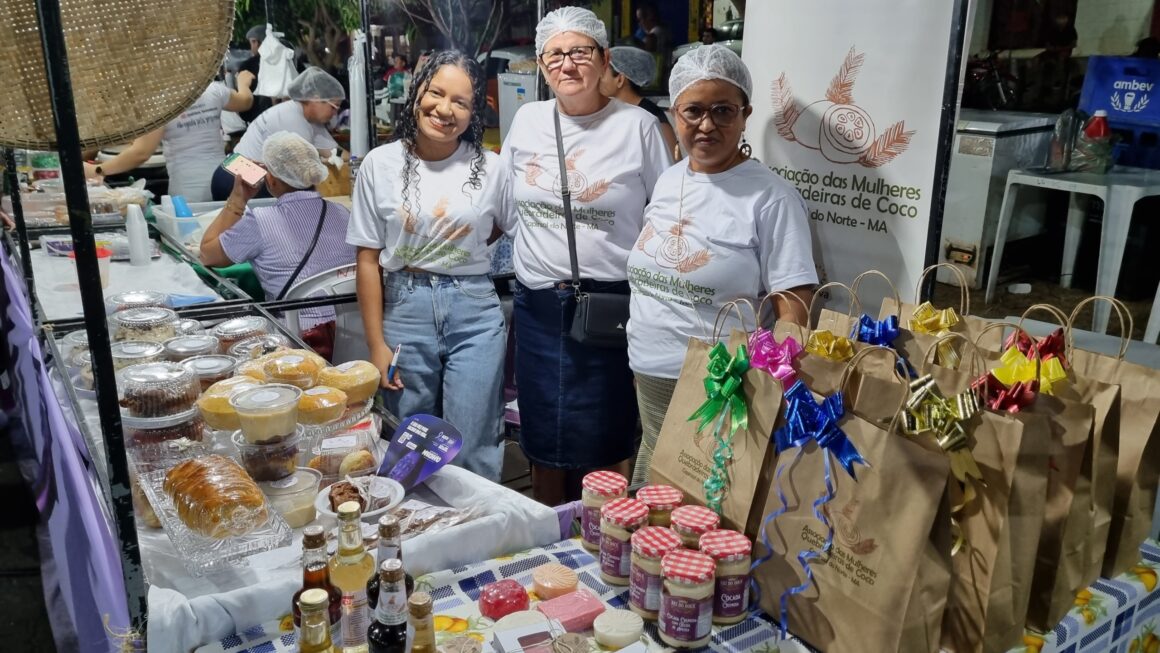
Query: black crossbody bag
pixel 306 256
pixel 601 317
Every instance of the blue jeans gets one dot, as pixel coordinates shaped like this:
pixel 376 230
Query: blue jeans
pixel 454 341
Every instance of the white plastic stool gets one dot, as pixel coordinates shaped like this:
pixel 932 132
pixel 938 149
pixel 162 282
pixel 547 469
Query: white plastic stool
pixel 1119 189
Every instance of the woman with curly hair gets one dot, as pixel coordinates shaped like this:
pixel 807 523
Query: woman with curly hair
pixel 423 210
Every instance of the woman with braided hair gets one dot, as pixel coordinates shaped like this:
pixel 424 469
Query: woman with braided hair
pixel 424 208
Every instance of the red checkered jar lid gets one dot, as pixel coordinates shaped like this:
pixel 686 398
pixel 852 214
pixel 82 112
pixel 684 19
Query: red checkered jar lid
pixel 660 497
pixel 605 484
pixel 695 519
pixel 625 512
pixel 655 541
pixel 725 544
pixel 688 567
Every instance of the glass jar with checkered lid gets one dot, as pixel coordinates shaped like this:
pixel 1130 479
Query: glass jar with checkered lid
pixel 691 522
pixel 686 610
pixel 619 519
pixel 661 501
pixel 598 488
pixel 733 552
pixel 649 545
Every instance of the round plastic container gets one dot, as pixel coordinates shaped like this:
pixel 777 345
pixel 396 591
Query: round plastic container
pixel 191 426
pixel 210 369
pixel 135 352
pixel 293 496
pixel 73 343
pixel 292 368
pixel 151 324
pixel 270 460
pixel 187 346
pixel 188 327
pixel 320 405
pixel 214 403
pixel 358 379
pixel 267 412
pixel 135 299
pixel 259 346
pixel 158 389
pixel 239 328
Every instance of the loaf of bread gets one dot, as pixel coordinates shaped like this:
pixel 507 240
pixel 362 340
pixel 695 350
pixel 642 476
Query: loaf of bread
pixel 215 497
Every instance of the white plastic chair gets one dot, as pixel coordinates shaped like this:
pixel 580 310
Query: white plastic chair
pixel 350 341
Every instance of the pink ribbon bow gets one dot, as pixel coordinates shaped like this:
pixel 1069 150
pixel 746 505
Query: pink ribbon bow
pixel 776 358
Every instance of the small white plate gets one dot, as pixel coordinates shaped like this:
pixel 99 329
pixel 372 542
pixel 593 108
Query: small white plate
pixel 322 501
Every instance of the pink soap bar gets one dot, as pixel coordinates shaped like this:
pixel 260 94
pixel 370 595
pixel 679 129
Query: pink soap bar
pixel 501 598
pixel 575 611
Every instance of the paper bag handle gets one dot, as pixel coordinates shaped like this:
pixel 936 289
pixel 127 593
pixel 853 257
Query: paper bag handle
pixel 723 316
pixel 854 303
pixel 1017 327
pixel 893 289
pixel 847 373
pixel 964 294
pixel 788 296
pixel 1121 311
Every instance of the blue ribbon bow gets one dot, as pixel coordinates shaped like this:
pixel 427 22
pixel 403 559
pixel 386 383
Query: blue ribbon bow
pixel 882 333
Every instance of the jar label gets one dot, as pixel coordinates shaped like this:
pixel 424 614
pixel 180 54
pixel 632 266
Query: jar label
pixel 354 618
pixel 685 619
pixel 615 556
pixel 644 589
pixel 731 596
pixel 590 525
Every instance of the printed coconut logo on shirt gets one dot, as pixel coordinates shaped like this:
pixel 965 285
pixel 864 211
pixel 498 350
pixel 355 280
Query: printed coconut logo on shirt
pixel 441 234
pixel 578 184
pixel 837 127
pixel 672 249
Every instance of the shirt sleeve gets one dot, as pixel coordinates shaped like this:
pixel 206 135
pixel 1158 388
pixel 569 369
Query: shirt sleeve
pixel 504 202
pixel 322 139
pixel 221 95
pixel 365 228
pixel 656 157
pixel 243 241
pixel 785 245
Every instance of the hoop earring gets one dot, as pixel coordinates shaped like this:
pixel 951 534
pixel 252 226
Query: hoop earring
pixel 745 149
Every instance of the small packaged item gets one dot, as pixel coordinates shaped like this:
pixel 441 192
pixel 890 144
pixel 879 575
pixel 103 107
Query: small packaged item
pixel 73 343
pixel 237 329
pixel 211 368
pixel 134 352
pixel 135 299
pixel 142 509
pixel 358 379
pixel 597 489
pixel 686 614
pixel 259 346
pixel 532 637
pixel 183 347
pixel 252 368
pixel 661 501
pixel 291 368
pixel 271 460
pixel 215 497
pixel 151 324
pixel 268 412
pixel 501 598
pixel 691 522
pixel 321 404
pixel 188 327
pixel 733 552
pixel 649 546
pixel 575 611
pixel 553 579
pixel 616 629
pixel 345 453
pixel 214 403
pixel 157 389
pixel 416 517
pixel 619 519
pixel 188 425
pixel 293 496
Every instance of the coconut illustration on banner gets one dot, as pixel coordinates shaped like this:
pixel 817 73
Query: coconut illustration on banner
pixel 837 127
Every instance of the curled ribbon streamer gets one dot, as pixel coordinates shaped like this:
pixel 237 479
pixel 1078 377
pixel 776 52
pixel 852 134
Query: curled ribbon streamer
pixel 1015 367
pixel 829 346
pixel 766 353
pixel 1012 399
pixel 127 640
pixel 724 399
pixel 882 333
pixel 937 322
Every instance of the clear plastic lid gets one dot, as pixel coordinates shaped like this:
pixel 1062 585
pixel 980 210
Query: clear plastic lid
pixel 211 366
pixel 183 347
pixel 256 346
pixel 303 481
pixel 76 339
pixel 242 327
pixel 134 352
pixel 157 389
pixel 135 299
pixel 143 318
pixel 266 398
pixel 188 327
pixel 292 368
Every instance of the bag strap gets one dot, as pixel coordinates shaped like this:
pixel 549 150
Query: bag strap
pixel 306 257
pixel 566 195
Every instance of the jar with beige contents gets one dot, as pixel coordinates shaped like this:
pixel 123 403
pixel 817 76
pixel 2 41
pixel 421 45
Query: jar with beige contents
pixel 661 501
pixel 685 619
pixel 691 522
pixel 619 519
pixel 598 488
pixel 733 552
pixel 649 545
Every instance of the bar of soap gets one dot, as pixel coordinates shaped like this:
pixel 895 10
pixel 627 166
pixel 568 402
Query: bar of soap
pixel 552 580
pixel 501 598
pixel 618 628
pixel 575 610
pixel 519 620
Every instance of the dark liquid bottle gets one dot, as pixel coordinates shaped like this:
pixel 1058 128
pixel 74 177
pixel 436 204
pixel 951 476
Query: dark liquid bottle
pixel 390 548
pixel 316 575
pixel 388 631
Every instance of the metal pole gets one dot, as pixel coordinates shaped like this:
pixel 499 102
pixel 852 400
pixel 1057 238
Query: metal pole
pixel 368 51
pixel 52 43
pixel 21 228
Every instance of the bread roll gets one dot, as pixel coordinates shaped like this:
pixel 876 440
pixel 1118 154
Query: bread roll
pixel 215 497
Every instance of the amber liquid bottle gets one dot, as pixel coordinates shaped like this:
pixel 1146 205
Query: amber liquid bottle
pixel 316 575
pixel 350 569
pixel 315 634
pixel 421 607
pixel 388 631
pixel 390 548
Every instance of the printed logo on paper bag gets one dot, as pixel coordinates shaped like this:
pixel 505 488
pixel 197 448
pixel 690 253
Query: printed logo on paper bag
pixel 1135 97
pixel 578 185
pixel 846 529
pixel 837 127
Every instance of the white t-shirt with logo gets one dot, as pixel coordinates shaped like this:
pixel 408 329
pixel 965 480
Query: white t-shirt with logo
pixel 448 224
pixel 738 234
pixel 285 116
pixel 194 146
pixel 613 158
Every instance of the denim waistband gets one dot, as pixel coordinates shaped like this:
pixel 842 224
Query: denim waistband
pixel 433 279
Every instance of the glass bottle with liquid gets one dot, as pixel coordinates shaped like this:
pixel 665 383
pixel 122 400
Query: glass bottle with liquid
pixel 350 568
pixel 388 631
pixel 421 607
pixel 316 575
pixel 390 548
pixel 314 637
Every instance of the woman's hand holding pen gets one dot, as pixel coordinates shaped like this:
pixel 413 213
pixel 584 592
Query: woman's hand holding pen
pixel 385 360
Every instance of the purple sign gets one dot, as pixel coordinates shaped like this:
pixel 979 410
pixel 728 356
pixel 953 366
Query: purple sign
pixel 421 446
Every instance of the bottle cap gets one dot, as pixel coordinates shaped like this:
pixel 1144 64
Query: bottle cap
pixel 313 598
pixel 313 537
pixel 389 527
pixel 1100 113
pixel 348 510
pixel 420 605
pixel 391 571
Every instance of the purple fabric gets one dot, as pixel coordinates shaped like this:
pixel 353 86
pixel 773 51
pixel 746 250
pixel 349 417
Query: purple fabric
pixel 568 513
pixel 84 548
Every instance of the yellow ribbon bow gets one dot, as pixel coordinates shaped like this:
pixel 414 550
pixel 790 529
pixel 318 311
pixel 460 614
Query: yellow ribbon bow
pixel 827 345
pixel 928 320
pixel 1015 366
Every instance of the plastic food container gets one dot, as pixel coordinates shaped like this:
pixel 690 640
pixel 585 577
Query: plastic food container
pixel 157 389
pixel 210 369
pixel 292 368
pixel 188 327
pixel 152 324
pixel 239 328
pixel 190 426
pixel 348 453
pixel 73 343
pixel 215 406
pixel 187 346
pixel 320 405
pixel 267 412
pixel 135 299
pixel 259 346
pixel 358 379
pixel 135 352
pixel 272 460
pixel 293 496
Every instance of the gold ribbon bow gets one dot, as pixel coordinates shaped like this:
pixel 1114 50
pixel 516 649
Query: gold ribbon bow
pixel 937 322
pixel 827 345
pixel 1014 366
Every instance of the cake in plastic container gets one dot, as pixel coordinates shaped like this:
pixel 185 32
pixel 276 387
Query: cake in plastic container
pixel 237 329
pixel 187 346
pixel 188 425
pixel 215 497
pixel 211 368
pixel 214 403
pixel 189 327
pixel 267 412
pixel 292 367
pixel 135 352
pixel 270 460
pixel 158 389
pixel 135 299
pixel 151 324
pixel 358 379
pixel 258 346
pixel 321 405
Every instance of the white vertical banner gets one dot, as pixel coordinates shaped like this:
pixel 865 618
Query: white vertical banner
pixel 849 107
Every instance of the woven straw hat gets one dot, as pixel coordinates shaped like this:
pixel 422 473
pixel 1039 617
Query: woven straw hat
pixel 134 64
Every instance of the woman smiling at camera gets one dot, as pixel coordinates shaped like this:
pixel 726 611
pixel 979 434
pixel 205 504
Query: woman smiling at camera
pixel 719 222
pixel 423 209
pixel 576 400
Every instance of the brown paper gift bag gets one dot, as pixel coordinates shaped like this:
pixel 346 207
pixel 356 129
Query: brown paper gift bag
pixel 970 326
pixel 1138 463
pixel 684 458
pixel 884 583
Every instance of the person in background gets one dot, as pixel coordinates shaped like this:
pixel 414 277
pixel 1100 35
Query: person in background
pixel 316 100
pixel 424 207
pixel 255 36
pixel 398 65
pixel 708 36
pixel 577 411
pixel 718 220
pixel 192 142
pixel 277 239
pixel 630 70
pixel 655 37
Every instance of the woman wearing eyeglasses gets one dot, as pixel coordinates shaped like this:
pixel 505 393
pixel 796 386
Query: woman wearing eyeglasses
pixel 721 226
pixel 576 408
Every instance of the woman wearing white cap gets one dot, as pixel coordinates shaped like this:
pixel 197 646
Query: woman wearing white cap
pixel 631 69
pixel 576 408
pixel 719 222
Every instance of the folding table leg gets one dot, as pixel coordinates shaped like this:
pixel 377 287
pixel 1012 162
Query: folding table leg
pixel 1009 197
pixel 1113 241
pixel 1152 331
pixel 1071 238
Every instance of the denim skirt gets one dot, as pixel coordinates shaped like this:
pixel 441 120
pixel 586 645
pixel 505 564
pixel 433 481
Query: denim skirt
pixel 577 404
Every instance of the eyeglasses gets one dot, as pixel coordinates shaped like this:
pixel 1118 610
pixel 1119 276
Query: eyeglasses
pixel 334 106
pixel 722 115
pixel 580 54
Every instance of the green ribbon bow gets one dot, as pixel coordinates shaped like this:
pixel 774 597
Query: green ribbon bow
pixel 724 399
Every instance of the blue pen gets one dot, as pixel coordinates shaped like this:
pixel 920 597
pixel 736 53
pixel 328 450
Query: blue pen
pixel 394 363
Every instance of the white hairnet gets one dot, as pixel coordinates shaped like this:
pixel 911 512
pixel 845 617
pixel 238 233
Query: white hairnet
pixel 315 84
pixel 294 160
pixel 709 62
pixel 570 19
pixel 635 64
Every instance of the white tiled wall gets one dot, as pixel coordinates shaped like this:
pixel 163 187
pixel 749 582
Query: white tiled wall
pixel 1111 26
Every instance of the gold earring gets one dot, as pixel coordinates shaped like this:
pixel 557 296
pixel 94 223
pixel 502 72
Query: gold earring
pixel 676 151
